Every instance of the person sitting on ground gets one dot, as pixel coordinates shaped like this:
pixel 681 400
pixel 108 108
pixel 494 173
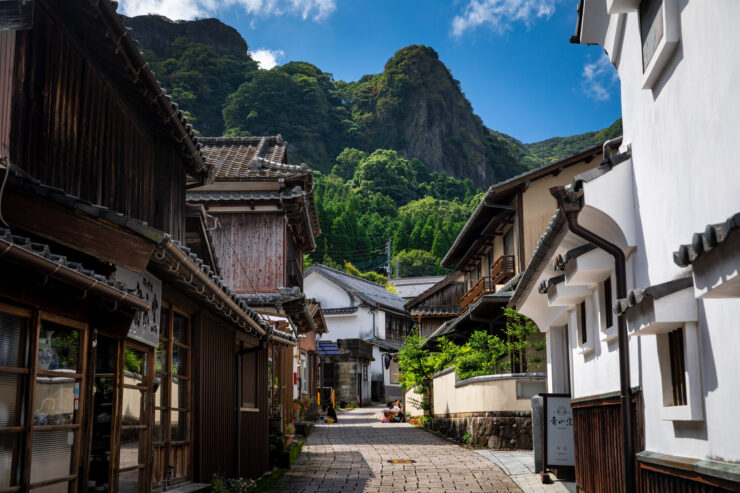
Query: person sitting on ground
pixel 388 414
pixel 330 412
pixel 399 416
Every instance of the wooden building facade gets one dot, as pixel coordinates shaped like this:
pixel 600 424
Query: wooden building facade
pixel 112 331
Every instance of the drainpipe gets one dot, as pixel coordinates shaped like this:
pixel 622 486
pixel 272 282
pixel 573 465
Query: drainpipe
pixel 570 202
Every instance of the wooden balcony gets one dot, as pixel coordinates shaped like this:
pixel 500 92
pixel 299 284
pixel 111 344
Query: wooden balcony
pixel 502 271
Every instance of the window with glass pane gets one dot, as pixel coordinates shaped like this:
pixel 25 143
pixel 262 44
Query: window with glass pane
pixel 135 367
pixel 15 336
pixel 132 409
pixel 180 330
pixel 12 396
pixel 130 451
pixel 10 463
pixel 51 454
pixel 59 348
pixel 54 401
pixel 180 393
pixel 179 426
pixel 179 360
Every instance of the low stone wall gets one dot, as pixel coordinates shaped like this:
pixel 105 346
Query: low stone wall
pixel 495 430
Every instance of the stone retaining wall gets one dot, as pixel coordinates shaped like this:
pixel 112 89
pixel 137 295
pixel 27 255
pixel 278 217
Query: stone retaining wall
pixel 496 430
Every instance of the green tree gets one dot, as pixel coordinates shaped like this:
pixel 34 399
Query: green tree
pixel 417 368
pixel 413 263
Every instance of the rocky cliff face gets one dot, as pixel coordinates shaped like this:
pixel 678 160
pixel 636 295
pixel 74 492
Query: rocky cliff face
pixel 157 33
pixel 418 109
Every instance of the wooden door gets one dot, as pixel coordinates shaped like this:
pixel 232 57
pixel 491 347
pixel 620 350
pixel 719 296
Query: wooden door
pixel 172 408
pixel 135 408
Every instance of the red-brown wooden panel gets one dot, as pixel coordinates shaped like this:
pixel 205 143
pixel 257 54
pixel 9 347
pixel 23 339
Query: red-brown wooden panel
pixel 250 248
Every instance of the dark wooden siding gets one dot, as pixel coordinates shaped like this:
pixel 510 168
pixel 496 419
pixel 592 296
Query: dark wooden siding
pixel 449 295
pixel 7 59
pixel 397 328
pixel 250 249
pixel 597 432
pixel 254 427
pixel 71 130
pixel 215 398
pixel 216 441
pixel 430 324
pixel 655 479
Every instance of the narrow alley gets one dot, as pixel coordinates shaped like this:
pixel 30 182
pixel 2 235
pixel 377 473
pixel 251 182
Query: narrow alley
pixel 354 455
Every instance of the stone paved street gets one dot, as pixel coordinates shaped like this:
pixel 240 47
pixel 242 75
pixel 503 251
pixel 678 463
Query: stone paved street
pixel 352 456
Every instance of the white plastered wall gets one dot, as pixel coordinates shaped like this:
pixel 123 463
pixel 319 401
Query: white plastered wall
pixel 683 135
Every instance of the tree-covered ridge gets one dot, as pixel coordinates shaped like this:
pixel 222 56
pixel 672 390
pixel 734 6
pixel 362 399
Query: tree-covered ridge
pixel 370 198
pixel 546 151
pixel 415 106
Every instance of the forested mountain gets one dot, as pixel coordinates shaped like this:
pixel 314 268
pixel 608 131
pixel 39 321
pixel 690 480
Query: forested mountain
pixel 400 155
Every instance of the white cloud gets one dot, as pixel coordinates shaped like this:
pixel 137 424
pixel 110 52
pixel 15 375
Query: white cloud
pixel 193 9
pixel 499 15
pixel 599 78
pixel 267 58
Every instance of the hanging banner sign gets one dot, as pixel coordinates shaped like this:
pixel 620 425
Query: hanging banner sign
pixel 559 450
pixel 145 327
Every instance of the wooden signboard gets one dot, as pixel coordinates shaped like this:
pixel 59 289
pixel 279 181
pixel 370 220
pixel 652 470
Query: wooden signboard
pixel 146 326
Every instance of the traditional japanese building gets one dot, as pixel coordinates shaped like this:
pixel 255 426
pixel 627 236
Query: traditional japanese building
pixel 635 282
pixel 126 362
pixel 371 322
pixel 490 251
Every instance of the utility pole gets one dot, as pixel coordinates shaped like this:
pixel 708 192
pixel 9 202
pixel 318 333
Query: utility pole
pixel 398 272
pixel 388 268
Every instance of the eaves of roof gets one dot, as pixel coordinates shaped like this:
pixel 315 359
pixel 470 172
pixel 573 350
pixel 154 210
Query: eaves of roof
pixel 214 196
pixel 23 251
pixel 127 48
pixel 507 187
pixel 429 292
pixel 367 291
pixel 169 254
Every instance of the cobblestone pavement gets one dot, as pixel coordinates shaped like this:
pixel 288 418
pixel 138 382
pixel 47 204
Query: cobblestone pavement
pixel 519 465
pixel 352 456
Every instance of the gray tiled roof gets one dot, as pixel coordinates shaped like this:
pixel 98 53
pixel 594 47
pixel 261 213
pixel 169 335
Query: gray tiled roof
pixel 411 287
pixel 385 344
pixel 713 236
pixel 280 296
pixel 435 310
pixel 637 296
pixel 60 263
pixel 250 157
pixel 293 193
pixel 369 292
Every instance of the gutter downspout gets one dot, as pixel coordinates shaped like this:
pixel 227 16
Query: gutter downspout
pixel 570 203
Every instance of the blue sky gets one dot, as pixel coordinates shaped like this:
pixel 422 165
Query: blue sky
pixel 512 57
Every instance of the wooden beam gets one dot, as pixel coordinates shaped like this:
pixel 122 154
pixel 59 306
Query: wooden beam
pixel 75 230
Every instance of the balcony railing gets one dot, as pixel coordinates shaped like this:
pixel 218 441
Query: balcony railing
pixel 501 271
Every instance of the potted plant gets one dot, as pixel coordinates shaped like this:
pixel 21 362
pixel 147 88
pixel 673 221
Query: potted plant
pixel 289 434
